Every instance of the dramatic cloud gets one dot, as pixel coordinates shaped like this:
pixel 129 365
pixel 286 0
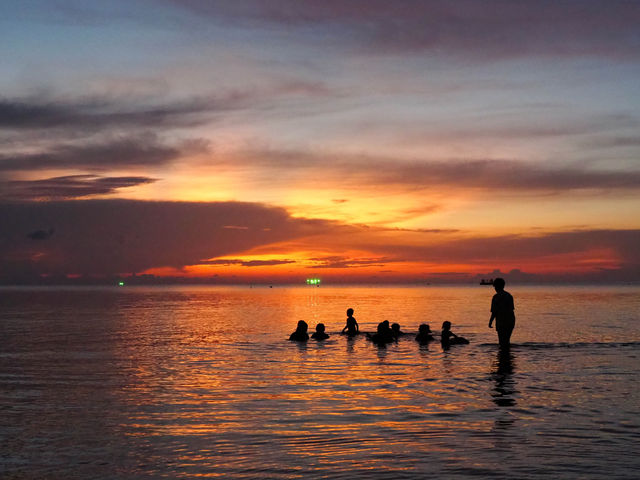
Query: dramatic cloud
pixel 421 127
pixel 469 28
pixel 73 186
pixel 120 236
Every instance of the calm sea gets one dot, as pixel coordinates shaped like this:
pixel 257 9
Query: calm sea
pixel 181 382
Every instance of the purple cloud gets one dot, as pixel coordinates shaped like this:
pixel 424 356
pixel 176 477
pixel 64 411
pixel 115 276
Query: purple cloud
pixel 136 151
pixel 125 236
pixel 499 175
pixel 67 187
pixel 511 249
pixel 490 29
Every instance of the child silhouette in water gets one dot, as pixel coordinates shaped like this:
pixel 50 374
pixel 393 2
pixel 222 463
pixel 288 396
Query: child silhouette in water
pixel 300 335
pixel 447 337
pixel 395 330
pixel 319 333
pixel 352 326
pixel 383 334
pixel 424 334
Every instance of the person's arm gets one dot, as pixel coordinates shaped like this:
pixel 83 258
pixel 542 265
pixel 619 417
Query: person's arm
pixel 493 311
pixel 357 326
pixel 345 327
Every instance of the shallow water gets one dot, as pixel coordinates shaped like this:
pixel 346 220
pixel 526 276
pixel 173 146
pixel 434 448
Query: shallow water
pixel 199 381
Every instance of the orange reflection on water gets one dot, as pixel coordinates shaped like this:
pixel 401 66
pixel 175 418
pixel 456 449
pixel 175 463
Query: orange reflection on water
pixel 187 382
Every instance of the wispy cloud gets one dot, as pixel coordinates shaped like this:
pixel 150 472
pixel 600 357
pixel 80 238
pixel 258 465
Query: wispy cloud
pixel 68 187
pixel 92 112
pixel 337 261
pixel 510 176
pixel 101 112
pixel 490 29
pixel 515 249
pixel 248 263
pixel 120 152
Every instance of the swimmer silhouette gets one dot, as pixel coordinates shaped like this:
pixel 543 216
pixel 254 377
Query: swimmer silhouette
pixel 319 333
pixel 383 334
pixel 447 337
pixel 424 334
pixel 502 311
pixel 395 331
pixel 352 326
pixel 300 335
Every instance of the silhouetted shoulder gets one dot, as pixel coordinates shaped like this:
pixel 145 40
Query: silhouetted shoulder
pixel 299 337
pixel 502 302
pixel 424 334
pixel 424 338
pixel 459 341
pixel 383 334
pixel 447 337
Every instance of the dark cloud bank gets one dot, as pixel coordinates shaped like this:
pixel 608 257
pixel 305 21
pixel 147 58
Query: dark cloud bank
pixel 111 237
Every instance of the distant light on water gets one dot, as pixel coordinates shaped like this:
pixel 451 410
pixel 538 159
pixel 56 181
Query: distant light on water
pixel 313 281
pixel 121 284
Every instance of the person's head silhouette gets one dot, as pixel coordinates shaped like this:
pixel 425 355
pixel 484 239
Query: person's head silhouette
pixel 320 328
pixel 302 326
pixel 499 284
pixel 349 312
pixel 446 325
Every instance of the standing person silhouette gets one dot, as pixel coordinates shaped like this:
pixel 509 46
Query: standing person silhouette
pixel 502 311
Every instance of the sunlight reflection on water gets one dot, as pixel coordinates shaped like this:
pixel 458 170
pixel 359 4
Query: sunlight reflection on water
pixel 184 382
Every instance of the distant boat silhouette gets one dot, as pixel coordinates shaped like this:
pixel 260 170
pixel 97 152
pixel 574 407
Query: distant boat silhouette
pixel 486 282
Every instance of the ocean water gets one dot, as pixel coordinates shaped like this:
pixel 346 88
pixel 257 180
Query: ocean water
pixel 183 382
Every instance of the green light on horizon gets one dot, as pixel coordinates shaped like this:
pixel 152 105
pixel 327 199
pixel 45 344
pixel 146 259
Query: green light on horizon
pixel 121 284
pixel 313 281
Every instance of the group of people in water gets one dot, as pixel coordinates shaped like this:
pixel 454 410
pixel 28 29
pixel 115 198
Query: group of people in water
pixel 385 333
pixel 502 311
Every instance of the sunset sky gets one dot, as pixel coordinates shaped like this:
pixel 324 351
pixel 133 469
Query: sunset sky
pixel 350 140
